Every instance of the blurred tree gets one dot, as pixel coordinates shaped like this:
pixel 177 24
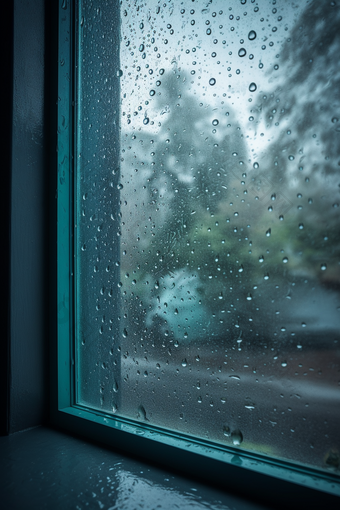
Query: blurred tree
pixel 302 114
pixel 246 233
pixel 189 165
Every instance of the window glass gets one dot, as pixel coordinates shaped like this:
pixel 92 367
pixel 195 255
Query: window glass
pixel 208 200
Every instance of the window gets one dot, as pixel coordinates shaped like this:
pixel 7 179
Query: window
pixel 198 246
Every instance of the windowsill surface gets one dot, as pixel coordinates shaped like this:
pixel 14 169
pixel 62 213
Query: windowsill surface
pixel 45 468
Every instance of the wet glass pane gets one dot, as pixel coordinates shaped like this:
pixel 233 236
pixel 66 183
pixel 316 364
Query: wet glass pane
pixel 208 247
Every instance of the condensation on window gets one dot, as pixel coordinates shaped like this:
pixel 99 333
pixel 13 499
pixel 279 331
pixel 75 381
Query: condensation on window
pixel 208 221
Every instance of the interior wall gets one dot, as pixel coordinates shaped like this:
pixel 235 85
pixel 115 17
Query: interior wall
pixel 6 41
pixel 28 221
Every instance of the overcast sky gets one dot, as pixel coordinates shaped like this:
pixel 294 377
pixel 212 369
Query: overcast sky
pixel 160 35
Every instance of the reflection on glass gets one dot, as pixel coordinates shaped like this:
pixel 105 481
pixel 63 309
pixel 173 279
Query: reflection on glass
pixel 210 296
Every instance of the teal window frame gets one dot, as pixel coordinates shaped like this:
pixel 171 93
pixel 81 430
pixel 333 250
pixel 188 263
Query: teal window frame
pixel 263 479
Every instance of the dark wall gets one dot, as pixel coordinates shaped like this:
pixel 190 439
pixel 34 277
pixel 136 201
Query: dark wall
pixel 27 339
pixel 6 41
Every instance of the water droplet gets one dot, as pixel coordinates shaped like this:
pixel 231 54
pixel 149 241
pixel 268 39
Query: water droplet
pixel 252 35
pixel 252 87
pixel 125 333
pixel 284 364
pixel 236 437
pixel 141 47
pixel 146 120
pixel 184 363
pixel 301 226
pixel 335 120
pixel 242 52
pixel 119 73
pixel 323 267
pixel 215 122
pixel 285 260
pixel 261 258
pixel 64 5
pixel 269 232
pixel 141 414
pixel 249 297
pixel 226 431
pixel 212 81
pixel 256 165
pixel 152 92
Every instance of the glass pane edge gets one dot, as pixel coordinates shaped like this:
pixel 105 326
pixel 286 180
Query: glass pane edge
pixel 117 431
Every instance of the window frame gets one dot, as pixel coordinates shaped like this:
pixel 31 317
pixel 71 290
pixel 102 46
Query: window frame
pixel 267 480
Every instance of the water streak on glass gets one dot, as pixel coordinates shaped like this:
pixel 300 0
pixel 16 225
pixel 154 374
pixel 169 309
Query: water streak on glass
pixel 208 221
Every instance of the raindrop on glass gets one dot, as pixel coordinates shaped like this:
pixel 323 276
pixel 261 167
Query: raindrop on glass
pixel 226 431
pixel 236 437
